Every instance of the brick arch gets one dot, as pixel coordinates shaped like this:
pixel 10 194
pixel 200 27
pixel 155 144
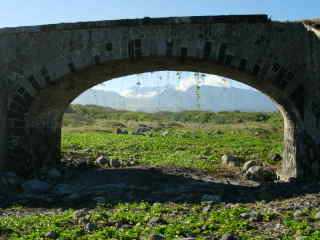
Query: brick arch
pixel 41 143
pixel 54 64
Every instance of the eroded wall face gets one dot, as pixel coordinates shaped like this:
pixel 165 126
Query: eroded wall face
pixel 48 66
pixel 3 127
pixel 311 121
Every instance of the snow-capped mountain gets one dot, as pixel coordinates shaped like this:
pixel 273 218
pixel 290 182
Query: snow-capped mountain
pixel 153 99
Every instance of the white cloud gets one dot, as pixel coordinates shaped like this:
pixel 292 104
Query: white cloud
pixel 150 89
pixel 134 93
pixel 207 80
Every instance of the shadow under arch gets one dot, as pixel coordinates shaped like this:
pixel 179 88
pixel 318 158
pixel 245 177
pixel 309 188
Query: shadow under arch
pixel 129 185
pixel 44 118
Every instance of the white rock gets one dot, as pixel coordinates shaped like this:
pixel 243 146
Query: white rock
pixel 250 164
pixel 165 133
pixel 102 160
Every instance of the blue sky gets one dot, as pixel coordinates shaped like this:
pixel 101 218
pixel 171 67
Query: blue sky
pixel 36 12
pixel 33 12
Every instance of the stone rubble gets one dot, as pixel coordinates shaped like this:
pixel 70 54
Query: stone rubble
pixel 230 160
pixel 102 160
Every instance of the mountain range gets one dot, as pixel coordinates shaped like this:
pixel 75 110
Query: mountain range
pixel 207 98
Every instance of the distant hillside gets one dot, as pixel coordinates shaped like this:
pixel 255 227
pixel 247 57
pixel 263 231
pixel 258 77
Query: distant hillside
pixel 89 114
pixel 169 99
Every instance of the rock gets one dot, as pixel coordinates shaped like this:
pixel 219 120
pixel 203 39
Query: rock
pixel 121 131
pixel 230 161
pixel 250 164
pixel 156 237
pixel 84 220
pixel 154 220
pixel 317 216
pixel 165 133
pixel 54 174
pixel 89 227
pixel 252 216
pixel 80 213
pixel 63 189
pixel 131 163
pixel 245 215
pixel 229 237
pixel 299 213
pixel 51 235
pixel 255 216
pixel 142 129
pixel 211 198
pixel 126 226
pixel 82 163
pixel 277 226
pixel 207 209
pixel 114 163
pixel 261 174
pixel 276 157
pixel 36 186
pixel 102 160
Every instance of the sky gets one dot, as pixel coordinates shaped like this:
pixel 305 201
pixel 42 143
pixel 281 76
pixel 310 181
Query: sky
pixel 153 83
pixel 36 12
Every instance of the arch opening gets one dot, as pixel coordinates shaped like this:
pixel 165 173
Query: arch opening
pixel 45 114
pixel 43 119
pixel 206 124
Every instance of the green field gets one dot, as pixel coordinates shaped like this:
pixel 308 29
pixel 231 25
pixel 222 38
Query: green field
pixel 172 221
pixel 187 139
pixel 192 140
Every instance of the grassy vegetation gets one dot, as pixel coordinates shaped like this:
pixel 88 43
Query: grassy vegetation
pixel 193 140
pixel 187 139
pixel 78 114
pixel 171 220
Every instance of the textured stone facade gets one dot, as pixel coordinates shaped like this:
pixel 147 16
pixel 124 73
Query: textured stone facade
pixel 43 68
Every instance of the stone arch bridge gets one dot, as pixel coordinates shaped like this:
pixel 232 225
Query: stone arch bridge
pixel 43 68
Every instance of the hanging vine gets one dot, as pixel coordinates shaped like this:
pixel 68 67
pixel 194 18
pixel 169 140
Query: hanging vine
pixel 198 83
pixel 180 103
pixel 159 92
pixel 138 83
pixel 178 76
